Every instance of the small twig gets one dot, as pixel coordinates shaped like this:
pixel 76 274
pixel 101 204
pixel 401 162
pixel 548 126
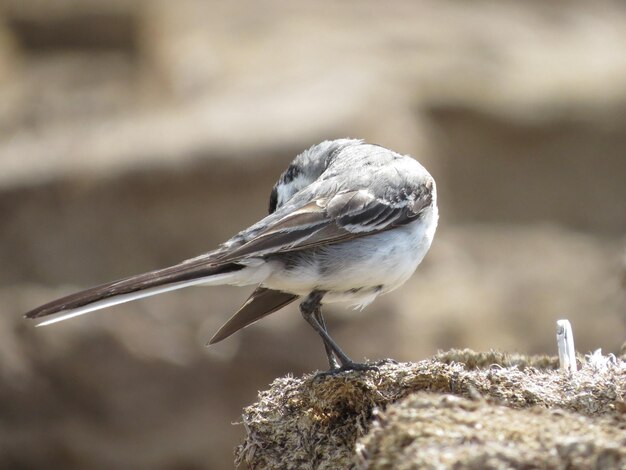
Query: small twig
pixel 565 344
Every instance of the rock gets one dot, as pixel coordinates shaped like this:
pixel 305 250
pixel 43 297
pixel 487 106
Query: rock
pixel 457 410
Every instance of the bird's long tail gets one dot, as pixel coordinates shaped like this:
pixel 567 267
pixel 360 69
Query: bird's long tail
pixel 188 273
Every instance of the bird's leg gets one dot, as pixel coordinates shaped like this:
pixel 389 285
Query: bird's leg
pixel 308 307
pixel 332 360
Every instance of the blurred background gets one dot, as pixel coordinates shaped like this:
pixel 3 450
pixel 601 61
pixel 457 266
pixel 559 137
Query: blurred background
pixel 128 128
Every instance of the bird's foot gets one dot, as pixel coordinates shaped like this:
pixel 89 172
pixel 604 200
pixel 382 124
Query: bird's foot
pixel 384 362
pixel 348 367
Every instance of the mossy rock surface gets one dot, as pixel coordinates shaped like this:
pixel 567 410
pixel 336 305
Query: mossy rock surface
pixel 459 409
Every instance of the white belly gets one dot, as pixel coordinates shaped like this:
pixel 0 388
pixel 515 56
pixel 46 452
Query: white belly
pixel 360 269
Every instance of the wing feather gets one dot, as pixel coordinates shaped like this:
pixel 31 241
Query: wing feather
pixel 344 216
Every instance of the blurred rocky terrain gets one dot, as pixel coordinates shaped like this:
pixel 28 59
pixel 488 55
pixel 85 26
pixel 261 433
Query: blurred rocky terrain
pixel 134 134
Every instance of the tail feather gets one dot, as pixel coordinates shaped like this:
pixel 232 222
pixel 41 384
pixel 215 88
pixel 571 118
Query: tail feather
pixel 135 287
pixel 261 303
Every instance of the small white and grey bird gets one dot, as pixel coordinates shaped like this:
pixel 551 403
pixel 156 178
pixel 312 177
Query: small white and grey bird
pixel 348 221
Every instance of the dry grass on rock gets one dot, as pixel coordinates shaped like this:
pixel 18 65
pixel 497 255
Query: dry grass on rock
pixel 459 409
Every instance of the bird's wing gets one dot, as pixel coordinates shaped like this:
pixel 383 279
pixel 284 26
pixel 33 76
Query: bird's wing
pixel 332 219
pixel 326 220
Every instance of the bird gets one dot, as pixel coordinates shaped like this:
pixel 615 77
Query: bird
pixel 348 221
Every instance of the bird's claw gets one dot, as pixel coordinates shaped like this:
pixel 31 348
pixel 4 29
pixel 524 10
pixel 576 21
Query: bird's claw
pixel 348 367
pixel 386 361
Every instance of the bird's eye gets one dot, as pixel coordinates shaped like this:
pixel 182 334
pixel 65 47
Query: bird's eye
pixel 273 200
